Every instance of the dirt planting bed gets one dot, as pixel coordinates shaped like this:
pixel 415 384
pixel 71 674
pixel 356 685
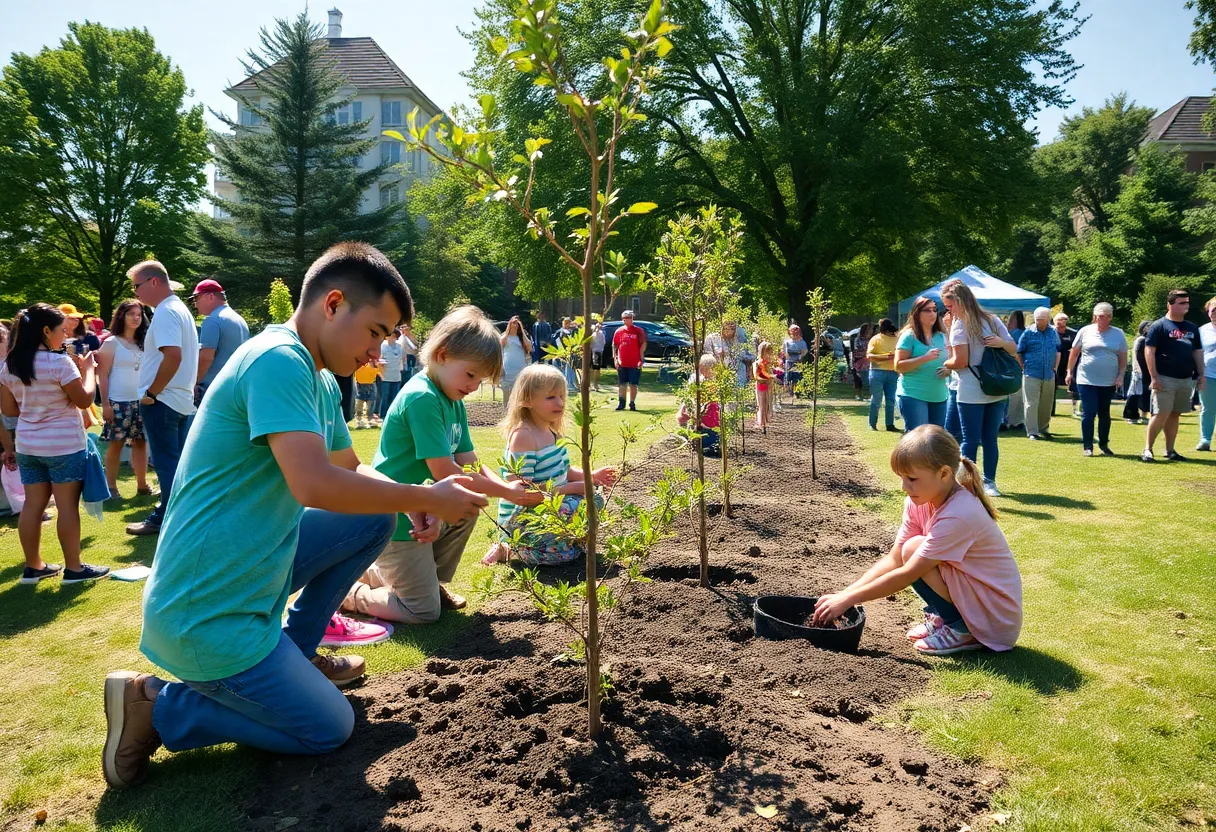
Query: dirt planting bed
pixel 706 722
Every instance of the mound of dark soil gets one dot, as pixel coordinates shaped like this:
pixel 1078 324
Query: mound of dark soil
pixel 706 722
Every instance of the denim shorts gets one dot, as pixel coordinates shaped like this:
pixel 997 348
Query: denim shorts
pixel 55 469
pixel 365 392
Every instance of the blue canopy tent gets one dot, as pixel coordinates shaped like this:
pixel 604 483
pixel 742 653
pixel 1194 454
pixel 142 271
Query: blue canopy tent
pixel 995 296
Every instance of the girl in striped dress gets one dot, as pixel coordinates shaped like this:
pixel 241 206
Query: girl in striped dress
pixel 533 425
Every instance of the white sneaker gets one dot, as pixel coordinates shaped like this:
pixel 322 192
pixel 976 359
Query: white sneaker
pixel 943 641
pixel 1203 446
pixel 926 627
pixel 991 490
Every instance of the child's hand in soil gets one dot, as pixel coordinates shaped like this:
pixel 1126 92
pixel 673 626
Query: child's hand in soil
pixel 426 527
pixel 603 476
pixel 830 607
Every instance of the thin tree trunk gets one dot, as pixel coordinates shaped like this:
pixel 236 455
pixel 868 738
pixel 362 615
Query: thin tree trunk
pixel 814 412
pixel 703 531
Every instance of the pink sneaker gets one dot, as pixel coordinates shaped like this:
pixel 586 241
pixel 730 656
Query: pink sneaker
pixel 924 630
pixel 943 641
pixel 344 632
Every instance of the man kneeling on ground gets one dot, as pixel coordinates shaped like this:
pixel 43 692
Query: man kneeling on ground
pixel 270 499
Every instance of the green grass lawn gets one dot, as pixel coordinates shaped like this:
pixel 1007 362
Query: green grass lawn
pixel 1104 717
pixel 57 644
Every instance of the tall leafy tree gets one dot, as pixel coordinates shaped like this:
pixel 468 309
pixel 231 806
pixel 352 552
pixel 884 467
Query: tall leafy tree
pixel 1094 151
pixel 99 158
pixel 1149 234
pixel 298 176
pixel 843 131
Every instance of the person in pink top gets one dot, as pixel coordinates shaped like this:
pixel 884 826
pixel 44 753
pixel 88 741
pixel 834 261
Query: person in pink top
pixel 45 390
pixel 949 550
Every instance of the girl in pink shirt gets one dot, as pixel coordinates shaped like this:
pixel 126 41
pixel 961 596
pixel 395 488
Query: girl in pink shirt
pixel 949 550
pixel 45 390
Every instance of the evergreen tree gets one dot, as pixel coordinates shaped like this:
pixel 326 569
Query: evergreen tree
pixel 299 177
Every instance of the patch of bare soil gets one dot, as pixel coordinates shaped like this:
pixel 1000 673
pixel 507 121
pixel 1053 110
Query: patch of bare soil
pixel 706 722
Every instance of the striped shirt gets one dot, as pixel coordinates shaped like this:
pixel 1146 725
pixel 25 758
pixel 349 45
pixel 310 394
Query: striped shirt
pixel 549 463
pixel 50 425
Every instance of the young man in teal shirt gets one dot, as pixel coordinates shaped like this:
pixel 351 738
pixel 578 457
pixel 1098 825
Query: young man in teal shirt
pixel 271 500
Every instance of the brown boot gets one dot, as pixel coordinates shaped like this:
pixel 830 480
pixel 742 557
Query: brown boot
pixel 341 670
pixel 449 600
pixel 130 738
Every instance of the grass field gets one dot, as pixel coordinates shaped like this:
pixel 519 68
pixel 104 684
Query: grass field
pixel 57 644
pixel 1104 717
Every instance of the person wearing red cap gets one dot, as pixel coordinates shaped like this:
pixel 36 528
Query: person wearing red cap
pixel 223 330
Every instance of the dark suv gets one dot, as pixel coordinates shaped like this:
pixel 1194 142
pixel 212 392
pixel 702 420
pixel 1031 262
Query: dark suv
pixel 663 343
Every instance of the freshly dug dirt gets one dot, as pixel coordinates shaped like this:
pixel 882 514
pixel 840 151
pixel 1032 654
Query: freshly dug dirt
pixel 706 722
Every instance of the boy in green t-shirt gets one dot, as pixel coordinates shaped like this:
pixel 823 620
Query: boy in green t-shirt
pixel 271 500
pixel 426 436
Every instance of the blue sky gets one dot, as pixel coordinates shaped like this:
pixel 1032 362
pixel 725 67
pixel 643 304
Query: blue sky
pixel 1133 45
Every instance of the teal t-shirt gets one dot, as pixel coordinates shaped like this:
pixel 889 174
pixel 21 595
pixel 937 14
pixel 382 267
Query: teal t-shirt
pixel 423 423
pixel 923 383
pixel 214 602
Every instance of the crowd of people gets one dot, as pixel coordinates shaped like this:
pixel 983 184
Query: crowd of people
pixel 264 500
pixel 932 371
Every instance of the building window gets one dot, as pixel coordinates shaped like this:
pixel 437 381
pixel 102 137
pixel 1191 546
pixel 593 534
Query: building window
pixel 654 305
pixel 390 113
pixel 1207 166
pixel 390 152
pixel 249 118
pixel 388 195
pixel 352 113
pixel 635 303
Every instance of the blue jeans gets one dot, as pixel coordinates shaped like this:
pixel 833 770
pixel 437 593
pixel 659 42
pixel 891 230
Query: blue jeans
pixel 283 703
pixel 411 364
pixel 883 383
pixel 1207 419
pixel 1095 401
pixel 939 606
pixel 953 424
pixel 981 424
pixel 166 431
pixel 388 392
pixel 917 412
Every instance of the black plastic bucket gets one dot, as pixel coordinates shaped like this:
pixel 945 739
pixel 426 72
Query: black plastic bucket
pixel 774 617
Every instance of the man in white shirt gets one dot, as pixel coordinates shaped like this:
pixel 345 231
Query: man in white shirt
pixel 166 380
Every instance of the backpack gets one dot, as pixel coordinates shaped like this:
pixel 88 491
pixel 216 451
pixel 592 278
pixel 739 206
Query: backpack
pixel 999 374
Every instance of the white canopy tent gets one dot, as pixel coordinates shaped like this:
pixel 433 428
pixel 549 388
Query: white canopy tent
pixel 995 296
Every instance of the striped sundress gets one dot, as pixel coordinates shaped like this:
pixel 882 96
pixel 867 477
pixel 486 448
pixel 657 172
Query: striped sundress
pixel 550 464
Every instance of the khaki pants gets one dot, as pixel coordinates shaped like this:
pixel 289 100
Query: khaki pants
pixel 1017 403
pixel 403 584
pixel 1040 397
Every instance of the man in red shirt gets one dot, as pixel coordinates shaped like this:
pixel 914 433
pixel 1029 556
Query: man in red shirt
pixel 628 347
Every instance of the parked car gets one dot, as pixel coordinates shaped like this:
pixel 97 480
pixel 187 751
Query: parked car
pixel 663 342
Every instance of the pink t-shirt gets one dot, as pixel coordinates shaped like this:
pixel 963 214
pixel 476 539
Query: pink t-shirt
pixel 975 562
pixel 50 425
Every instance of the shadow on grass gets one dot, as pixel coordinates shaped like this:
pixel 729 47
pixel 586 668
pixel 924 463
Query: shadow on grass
pixel 1055 500
pixel 1043 673
pixel 1032 515
pixel 25 608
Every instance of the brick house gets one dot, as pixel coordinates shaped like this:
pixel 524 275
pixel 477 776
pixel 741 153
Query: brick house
pixel 1180 128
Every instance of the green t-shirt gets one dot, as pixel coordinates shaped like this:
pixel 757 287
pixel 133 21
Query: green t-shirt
pixel 422 424
pixel 213 606
pixel 923 383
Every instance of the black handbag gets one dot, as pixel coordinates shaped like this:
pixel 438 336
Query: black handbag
pixel 999 374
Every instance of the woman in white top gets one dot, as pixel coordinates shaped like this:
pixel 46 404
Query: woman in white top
pixel 118 364
pixel 1096 362
pixel 730 348
pixel 972 332
pixel 516 352
pixel 409 346
pixel 1207 396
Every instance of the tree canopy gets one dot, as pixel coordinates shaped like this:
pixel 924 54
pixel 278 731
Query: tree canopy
pixel 301 175
pixel 844 131
pixel 99 159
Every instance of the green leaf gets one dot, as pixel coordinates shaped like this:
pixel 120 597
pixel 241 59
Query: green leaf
pixel 578 211
pixel 393 134
pixel 654 16
pixel 641 208
pixel 662 46
pixel 498 45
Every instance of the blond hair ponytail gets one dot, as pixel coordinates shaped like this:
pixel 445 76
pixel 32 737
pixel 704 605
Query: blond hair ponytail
pixel 969 477
pixel 931 448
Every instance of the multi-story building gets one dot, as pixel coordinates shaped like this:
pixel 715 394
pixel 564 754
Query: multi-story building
pixel 384 96
pixel 1180 128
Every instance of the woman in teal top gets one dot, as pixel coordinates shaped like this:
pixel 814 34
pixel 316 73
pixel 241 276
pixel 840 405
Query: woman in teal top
pixel 920 353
